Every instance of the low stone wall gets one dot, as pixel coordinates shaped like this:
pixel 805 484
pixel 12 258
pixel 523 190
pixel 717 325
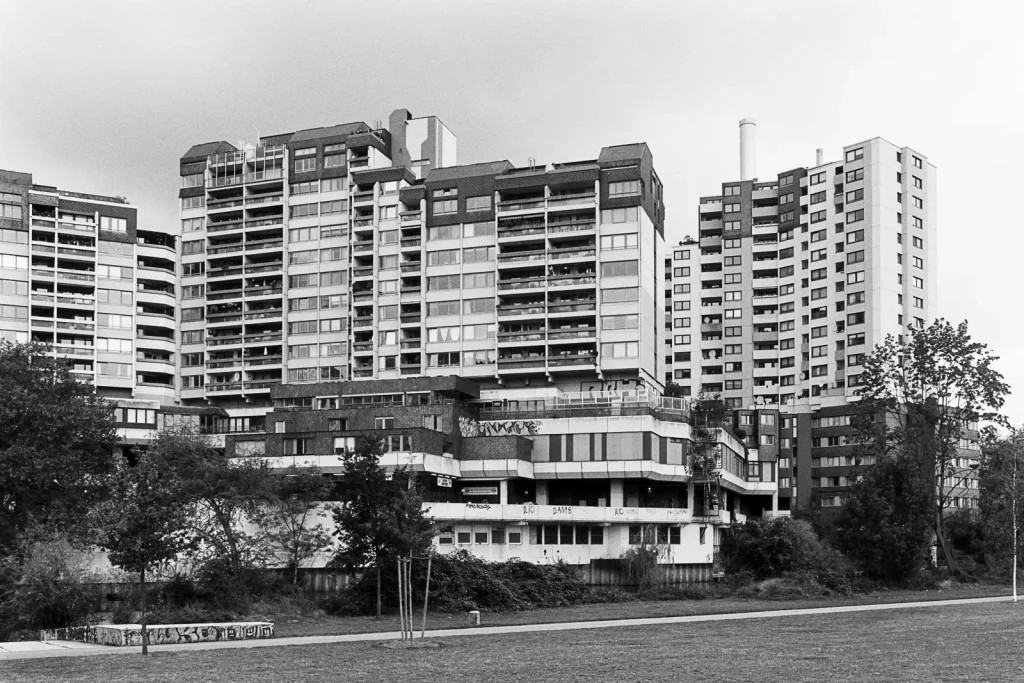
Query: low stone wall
pixel 162 634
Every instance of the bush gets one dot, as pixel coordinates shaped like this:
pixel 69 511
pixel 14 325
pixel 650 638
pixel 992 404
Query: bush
pixel 777 548
pixel 790 586
pixel 52 589
pixel 461 581
pixel 217 586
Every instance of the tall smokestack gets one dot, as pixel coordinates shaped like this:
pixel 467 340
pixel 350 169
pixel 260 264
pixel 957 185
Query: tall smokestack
pixel 748 156
pixel 819 157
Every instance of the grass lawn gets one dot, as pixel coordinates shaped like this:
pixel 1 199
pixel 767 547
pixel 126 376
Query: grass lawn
pixel 954 643
pixel 299 625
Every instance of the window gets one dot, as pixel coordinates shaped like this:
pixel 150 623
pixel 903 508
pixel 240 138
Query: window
pixel 469 306
pixel 300 257
pixel 333 277
pixel 305 188
pixel 855 298
pixel 785 180
pixel 305 165
pixel 622 295
pixel 627 188
pixel 733 260
pixel 918 302
pixel 192 336
pixel 855 318
pixel 443 257
pixel 855 216
pixel 620 322
pixel 444 207
pixel 478 229
pixel 854 278
pixel 624 215
pixel 387 313
pixel 918 282
pixel 681 272
pixel 917 162
pixel 918 203
pixel 855 339
pixel 193 247
pixel 733 278
pixel 444 232
pixel 854 196
pixel 918 262
pixel 855 257
pixel 480 331
pixel 303 210
pixel 817 178
pixel 334 160
pixel 627 241
pixel 193 203
pixel 817 197
pixel 332 184
pixel 481 203
pixel 917 183
pixel 113 224
pixel 334 349
pixel 732 225
pixel 298 446
pixel 192 224
pixel 478 254
pixel 619 269
pixel 918 242
pixel 443 360
pixel 330 325
pixel 732 190
pixel 334 208
pixel 443 307
pixel 818 216
pixel 439 282
pixel 193 180
pixel 855 154
pixel 732 208
pixel 854 176
pixel 855 236
pixel 620 350
pixel 477 280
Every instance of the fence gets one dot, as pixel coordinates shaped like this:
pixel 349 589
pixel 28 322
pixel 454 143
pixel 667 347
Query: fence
pixel 608 573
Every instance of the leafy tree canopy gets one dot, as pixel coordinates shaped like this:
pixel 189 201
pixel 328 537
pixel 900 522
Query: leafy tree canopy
pixel 57 443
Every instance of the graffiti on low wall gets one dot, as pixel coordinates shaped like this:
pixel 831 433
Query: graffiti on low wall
pixel 131 634
pixel 470 427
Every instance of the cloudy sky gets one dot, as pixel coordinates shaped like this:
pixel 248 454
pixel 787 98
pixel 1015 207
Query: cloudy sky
pixel 105 96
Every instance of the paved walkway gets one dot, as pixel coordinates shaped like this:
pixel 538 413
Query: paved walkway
pixel 30 650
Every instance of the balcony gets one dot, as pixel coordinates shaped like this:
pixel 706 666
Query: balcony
pixel 580 252
pixel 223 386
pixel 261 385
pixel 410 217
pixel 224 341
pixel 520 231
pixel 263 314
pixel 411 242
pixel 573 307
pixel 411 318
pixel 412 266
pixel 576 198
pixel 521 363
pixel 224 294
pixel 262 360
pixel 523 336
pixel 564 281
pixel 262 291
pixel 262 338
pixel 225 249
pixel 572 333
pixel 570 361
pixel 521 310
pixel 222 226
pixel 263 222
pixel 521 204
pixel 522 283
pixel 366 321
pixel 362 246
pixel 412 343
pixel 537 255
pixel 265 267
pixel 571 226
pixel 263 244
pixel 263 176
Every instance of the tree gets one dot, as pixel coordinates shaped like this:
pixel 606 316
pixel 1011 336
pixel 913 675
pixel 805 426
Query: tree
pixel 381 518
pixel 223 495
pixel 1001 497
pixel 884 525
pixel 144 521
pixel 639 563
pixel 57 443
pixel 289 518
pixel 707 420
pixel 920 393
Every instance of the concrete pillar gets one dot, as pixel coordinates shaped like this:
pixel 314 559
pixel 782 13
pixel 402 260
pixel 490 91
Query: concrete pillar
pixel 690 495
pixel 503 492
pixel 542 492
pixel 615 494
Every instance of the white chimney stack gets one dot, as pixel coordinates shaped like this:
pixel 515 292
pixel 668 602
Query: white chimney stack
pixel 820 157
pixel 748 140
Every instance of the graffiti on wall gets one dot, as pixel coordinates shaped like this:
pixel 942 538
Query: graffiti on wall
pixel 131 634
pixel 469 427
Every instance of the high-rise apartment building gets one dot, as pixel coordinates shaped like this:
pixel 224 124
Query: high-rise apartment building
pixel 790 283
pixel 500 327
pixel 78 272
pixel 332 254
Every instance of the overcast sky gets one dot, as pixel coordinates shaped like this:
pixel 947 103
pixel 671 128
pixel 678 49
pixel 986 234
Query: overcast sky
pixel 106 96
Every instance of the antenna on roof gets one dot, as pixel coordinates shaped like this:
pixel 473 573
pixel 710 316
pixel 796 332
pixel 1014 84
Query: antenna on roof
pixel 257 135
pixel 377 125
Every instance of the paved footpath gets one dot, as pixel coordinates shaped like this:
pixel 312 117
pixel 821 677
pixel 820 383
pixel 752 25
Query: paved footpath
pixel 55 648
